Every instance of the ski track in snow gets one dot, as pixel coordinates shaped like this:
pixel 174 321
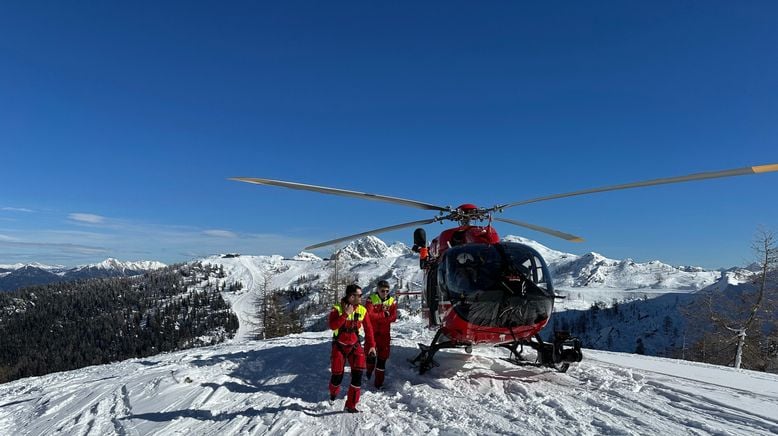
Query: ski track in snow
pixel 278 386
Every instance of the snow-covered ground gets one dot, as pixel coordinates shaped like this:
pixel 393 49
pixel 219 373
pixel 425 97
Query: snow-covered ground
pixel 279 386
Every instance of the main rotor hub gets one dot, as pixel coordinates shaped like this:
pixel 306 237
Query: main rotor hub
pixel 468 212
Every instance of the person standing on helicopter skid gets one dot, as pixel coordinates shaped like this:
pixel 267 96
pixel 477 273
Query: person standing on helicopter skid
pixel 348 321
pixel 382 310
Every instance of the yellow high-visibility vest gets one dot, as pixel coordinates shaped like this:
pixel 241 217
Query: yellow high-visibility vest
pixel 376 300
pixel 360 310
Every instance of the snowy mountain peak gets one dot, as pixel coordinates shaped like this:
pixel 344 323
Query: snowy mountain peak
pixel 306 256
pixel 550 255
pixel 109 263
pixel 38 265
pixel 398 249
pixel 368 247
pixel 115 264
pixel 596 258
pixel 596 270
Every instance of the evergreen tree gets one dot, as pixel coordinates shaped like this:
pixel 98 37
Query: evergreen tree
pixel 69 325
pixel 639 347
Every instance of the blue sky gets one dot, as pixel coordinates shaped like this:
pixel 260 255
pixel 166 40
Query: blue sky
pixel 120 123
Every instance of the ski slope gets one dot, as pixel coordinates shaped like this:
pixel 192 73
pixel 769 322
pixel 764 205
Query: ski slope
pixel 278 386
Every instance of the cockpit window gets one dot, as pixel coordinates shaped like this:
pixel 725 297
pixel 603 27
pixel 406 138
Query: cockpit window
pixel 486 267
pixel 541 278
pixel 505 284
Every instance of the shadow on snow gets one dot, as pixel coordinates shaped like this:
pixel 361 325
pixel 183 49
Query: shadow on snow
pixel 300 373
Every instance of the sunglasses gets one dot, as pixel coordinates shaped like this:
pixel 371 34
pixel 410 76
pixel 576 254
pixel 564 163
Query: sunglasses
pixel 383 290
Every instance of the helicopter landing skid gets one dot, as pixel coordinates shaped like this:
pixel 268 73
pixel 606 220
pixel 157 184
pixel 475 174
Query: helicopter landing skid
pixel 558 354
pixel 424 360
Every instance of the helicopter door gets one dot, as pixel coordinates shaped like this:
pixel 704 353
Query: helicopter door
pixel 430 298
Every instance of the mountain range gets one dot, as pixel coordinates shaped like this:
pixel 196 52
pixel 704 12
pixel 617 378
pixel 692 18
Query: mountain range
pixel 22 275
pixel 585 281
pixel 590 270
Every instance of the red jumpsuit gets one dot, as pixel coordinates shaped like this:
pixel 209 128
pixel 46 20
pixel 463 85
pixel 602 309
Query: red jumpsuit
pixel 346 347
pixel 381 313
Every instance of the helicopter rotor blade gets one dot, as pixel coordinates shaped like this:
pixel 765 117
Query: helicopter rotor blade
pixel 372 232
pixel 343 192
pixel 688 178
pixel 552 232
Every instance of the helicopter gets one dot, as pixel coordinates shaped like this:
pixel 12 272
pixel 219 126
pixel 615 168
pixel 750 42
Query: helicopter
pixel 481 290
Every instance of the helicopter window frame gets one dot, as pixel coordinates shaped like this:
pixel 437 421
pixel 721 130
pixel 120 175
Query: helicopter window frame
pixel 534 270
pixel 485 283
pixel 539 276
pixel 530 264
pixel 482 261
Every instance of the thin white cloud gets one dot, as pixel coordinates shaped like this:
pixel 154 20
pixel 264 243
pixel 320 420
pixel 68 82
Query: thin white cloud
pixel 87 218
pixel 125 239
pixel 220 233
pixel 65 247
pixel 16 209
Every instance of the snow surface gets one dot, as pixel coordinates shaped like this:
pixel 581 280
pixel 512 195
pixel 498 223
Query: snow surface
pixel 279 386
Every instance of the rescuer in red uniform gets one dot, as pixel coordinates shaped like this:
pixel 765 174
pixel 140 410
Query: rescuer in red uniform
pixel 382 311
pixel 348 321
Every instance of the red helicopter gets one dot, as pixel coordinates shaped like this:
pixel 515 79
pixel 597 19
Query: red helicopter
pixel 479 290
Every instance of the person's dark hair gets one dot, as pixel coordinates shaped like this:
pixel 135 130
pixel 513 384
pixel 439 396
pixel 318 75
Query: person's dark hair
pixel 382 284
pixel 352 289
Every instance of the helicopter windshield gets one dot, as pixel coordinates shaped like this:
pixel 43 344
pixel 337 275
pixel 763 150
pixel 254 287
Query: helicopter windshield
pixel 497 284
pixel 482 266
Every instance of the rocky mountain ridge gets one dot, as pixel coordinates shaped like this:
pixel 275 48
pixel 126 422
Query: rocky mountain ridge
pixel 21 275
